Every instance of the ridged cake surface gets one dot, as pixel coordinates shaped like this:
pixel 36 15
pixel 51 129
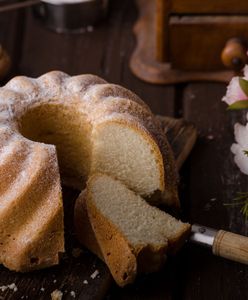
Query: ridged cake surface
pixel 57 126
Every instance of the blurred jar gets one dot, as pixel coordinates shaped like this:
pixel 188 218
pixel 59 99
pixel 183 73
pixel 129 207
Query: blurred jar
pixel 70 15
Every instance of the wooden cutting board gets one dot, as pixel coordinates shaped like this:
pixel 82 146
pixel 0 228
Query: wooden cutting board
pixel 73 275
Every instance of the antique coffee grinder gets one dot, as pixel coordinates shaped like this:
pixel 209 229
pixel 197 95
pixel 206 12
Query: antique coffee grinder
pixel 190 40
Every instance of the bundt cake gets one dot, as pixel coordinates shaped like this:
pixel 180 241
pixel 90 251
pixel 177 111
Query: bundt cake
pixel 89 126
pixel 120 227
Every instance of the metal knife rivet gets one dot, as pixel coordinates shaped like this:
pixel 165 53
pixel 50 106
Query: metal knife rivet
pixel 202 230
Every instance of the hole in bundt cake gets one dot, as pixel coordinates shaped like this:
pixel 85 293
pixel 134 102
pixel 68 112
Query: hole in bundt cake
pixel 65 127
pixel 112 144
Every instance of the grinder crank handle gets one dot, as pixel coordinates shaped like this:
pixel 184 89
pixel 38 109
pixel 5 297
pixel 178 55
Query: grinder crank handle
pixel 223 243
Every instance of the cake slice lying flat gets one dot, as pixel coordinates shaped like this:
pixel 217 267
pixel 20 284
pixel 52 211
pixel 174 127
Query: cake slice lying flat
pixel 123 229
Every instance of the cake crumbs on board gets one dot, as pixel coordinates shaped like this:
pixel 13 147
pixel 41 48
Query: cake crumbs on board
pixel 73 294
pixel 210 137
pixel 56 295
pixel 85 281
pixel 11 286
pixel 94 274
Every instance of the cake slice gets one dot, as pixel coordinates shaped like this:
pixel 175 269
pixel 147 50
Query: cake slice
pixel 123 229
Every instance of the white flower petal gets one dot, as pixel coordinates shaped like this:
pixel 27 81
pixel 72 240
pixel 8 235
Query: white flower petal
pixel 240 158
pixel 245 70
pixel 241 135
pixel 235 148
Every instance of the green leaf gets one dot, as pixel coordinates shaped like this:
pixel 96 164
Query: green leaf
pixel 244 85
pixel 241 200
pixel 245 152
pixel 241 104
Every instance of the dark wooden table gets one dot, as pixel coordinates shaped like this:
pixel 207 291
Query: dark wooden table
pixel 209 178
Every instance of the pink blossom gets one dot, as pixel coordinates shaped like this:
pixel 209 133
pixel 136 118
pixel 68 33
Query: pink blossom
pixel 234 92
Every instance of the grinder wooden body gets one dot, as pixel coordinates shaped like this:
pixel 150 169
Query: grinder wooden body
pixel 181 40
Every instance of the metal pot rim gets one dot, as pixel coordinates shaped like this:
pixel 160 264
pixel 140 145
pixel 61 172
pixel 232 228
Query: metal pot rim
pixel 62 2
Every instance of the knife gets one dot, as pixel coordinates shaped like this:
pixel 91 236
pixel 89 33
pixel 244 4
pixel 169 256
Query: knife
pixel 222 243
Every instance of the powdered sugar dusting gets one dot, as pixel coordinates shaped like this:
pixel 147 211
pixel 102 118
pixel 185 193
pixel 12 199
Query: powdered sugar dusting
pixel 8 148
pixel 27 86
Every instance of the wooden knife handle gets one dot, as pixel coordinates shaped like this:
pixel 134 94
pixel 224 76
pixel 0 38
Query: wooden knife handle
pixel 231 246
